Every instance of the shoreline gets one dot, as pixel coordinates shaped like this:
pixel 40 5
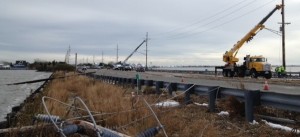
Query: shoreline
pixel 11 116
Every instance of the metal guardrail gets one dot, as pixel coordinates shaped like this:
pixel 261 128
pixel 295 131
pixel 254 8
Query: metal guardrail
pixel 289 74
pixel 250 97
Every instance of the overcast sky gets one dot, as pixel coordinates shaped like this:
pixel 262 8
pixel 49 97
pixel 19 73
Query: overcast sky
pixel 181 32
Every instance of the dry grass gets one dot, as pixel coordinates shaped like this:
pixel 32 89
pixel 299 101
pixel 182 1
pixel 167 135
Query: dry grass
pixel 184 121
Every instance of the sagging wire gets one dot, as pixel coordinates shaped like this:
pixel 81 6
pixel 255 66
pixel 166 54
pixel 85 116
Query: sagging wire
pixel 125 111
pixel 160 125
pixel 274 31
pixel 74 109
pixel 140 119
pixel 182 92
pixel 51 119
pixel 100 114
pixel 149 106
pixel 91 116
pixel 153 105
pixel 162 93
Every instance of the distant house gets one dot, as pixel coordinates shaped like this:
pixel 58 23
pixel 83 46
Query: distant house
pixel 20 64
pixel 2 66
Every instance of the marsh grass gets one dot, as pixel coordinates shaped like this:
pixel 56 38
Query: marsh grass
pixel 116 108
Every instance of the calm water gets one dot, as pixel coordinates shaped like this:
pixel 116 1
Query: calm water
pixel 15 94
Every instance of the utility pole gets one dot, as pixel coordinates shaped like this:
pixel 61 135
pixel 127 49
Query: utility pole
pixel 147 51
pixel 75 62
pixel 283 34
pixel 94 59
pixel 67 57
pixel 102 58
pixel 117 53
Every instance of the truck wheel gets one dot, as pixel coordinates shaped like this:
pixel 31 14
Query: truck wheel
pixel 253 74
pixel 231 73
pixel 269 75
pixel 225 73
pixel 241 72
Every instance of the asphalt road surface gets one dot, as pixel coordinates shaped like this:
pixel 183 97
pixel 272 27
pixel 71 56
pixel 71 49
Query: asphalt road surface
pixel 288 86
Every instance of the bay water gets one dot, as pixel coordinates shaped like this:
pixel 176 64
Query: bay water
pixel 13 95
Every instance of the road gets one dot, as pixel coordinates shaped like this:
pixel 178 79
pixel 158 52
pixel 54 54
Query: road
pixel 287 86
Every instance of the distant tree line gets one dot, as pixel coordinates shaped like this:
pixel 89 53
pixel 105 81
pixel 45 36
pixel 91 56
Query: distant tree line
pixel 100 65
pixel 51 66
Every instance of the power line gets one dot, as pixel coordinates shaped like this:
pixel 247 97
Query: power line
pixel 197 22
pixel 218 25
pixel 213 21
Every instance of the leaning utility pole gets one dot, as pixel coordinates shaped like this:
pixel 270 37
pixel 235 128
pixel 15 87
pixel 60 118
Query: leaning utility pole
pixel 147 51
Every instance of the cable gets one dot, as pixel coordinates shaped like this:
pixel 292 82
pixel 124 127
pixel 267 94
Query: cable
pixel 155 117
pixel 274 31
pixel 91 116
pixel 52 120
pixel 218 25
pixel 150 132
pixel 59 129
pixel 210 22
pixel 197 22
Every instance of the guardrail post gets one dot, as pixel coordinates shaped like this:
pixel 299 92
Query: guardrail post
pixel 123 81
pixel 252 98
pixel 107 79
pixel 140 83
pixel 112 80
pixel 188 91
pixel 171 88
pixel 212 98
pixel 158 85
pixel 149 83
pixel 119 81
pixel 133 82
pixel 128 81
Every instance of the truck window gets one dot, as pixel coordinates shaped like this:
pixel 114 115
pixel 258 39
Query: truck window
pixel 260 60
pixel 252 60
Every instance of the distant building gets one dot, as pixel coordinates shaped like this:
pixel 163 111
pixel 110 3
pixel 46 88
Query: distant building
pixel 4 65
pixel 20 64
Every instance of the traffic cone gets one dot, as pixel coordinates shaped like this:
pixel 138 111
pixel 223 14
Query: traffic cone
pixel 266 85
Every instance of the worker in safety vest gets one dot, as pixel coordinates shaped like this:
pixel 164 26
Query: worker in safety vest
pixel 280 71
pixel 277 71
pixel 283 73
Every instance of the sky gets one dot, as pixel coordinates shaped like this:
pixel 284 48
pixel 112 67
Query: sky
pixel 192 32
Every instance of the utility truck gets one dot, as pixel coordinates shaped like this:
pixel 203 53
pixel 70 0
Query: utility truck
pixel 123 65
pixel 253 66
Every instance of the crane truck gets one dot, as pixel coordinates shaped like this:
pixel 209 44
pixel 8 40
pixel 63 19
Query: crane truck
pixel 253 66
pixel 123 65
